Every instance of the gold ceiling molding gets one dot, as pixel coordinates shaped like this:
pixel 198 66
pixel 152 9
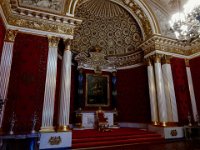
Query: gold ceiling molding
pixel 141 16
pixel 128 60
pixel 32 19
pixel 164 44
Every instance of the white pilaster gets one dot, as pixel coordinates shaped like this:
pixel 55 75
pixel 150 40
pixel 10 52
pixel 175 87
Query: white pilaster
pixel 5 67
pixel 169 92
pixel 152 93
pixel 65 89
pixel 160 91
pixel 50 86
pixel 191 90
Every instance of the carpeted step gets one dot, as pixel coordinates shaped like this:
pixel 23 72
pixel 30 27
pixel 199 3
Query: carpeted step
pixel 114 132
pixel 117 142
pixel 104 138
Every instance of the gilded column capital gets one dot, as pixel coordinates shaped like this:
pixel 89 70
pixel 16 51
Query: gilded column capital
pixel 67 44
pixel 166 59
pixel 10 35
pixel 157 58
pixel 148 61
pixel 187 62
pixel 53 41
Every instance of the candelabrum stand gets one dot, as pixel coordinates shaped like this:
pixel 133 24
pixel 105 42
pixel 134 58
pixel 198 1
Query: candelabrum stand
pixel 198 122
pixel 12 123
pixel 34 122
pixel 189 120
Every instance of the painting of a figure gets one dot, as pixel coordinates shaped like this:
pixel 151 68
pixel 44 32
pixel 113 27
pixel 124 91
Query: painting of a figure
pixel 97 90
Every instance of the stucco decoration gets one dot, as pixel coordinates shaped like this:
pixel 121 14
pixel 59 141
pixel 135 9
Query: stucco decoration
pixel 108 25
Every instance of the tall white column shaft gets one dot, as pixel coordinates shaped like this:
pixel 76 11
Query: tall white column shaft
pixel 65 90
pixel 64 110
pixel 170 93
pixel 5 67
pixel 50 86
pixel 192 95
pixel 152 94
pixel 160 92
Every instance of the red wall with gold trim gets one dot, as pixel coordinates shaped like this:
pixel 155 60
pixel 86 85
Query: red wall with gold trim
pixel 133 95
pixel 194 66
pixel 27 81
pixel 181 89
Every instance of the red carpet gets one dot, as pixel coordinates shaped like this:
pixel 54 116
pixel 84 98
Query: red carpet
pixel 123 136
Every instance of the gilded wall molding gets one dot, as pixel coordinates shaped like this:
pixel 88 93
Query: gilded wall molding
pixel 35 20
pixel 141 16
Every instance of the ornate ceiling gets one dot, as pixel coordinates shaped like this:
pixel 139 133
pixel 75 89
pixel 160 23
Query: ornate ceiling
pixel 117 26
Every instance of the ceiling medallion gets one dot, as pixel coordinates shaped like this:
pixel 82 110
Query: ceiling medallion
pixel 94 59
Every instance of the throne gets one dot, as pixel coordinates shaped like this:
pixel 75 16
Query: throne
pixel 101 121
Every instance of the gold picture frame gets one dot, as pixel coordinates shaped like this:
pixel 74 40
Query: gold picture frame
pixel 97 90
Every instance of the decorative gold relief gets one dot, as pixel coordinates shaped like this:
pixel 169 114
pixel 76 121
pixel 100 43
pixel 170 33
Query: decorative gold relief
pixel 10 35
pixel 44 25
pixel 174 133
pixel 55 140
pixel 141 16
pixel 53 41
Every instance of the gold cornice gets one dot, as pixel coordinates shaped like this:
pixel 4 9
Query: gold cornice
pixel 10 35
pixel 35 23
pixel 53 41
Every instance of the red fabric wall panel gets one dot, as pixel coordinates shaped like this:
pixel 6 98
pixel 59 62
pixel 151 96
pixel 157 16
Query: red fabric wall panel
pixel 194 66
pixel 2 35
pixel 27 81
pixel 133 95
pixel 181 89
pixel 57 96
pixel 74 90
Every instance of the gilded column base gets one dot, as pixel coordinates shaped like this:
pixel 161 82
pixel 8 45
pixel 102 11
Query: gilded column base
pixel 155 123
pixel 47 129
pixel 63 129
pixel 163 124
pixel 169 124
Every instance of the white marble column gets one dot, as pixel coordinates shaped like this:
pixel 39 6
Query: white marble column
pixel 169 91
pixel 50 86
pixel 64 110
pixel 152 92
pixel 160 91
pixel 191 90
pixel 5 67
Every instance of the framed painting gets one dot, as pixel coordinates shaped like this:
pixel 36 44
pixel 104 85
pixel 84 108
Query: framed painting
pixel 97 90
